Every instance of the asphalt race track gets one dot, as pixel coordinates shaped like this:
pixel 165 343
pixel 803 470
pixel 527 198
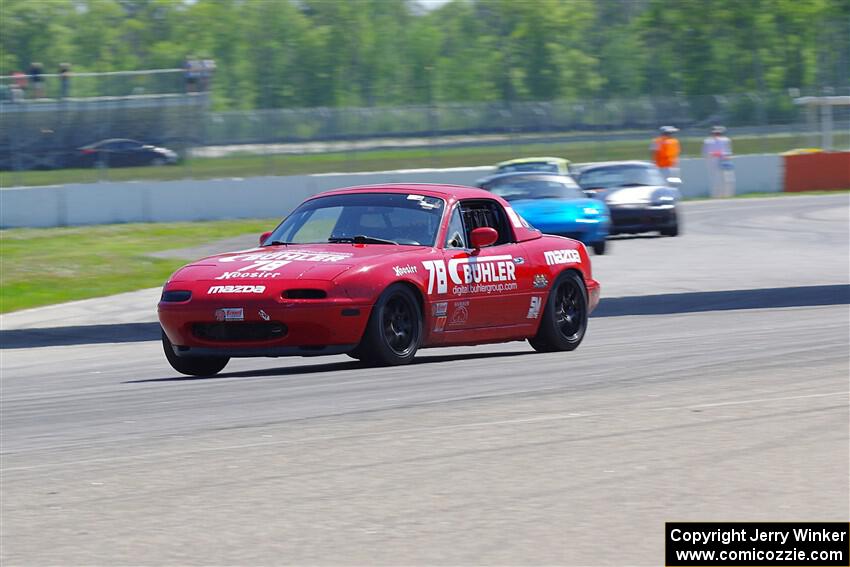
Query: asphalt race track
pixel 712 385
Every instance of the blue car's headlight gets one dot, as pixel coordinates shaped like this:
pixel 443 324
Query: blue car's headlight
pixel 590 212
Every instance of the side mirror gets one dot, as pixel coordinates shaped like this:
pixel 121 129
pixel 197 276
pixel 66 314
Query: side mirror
pixel 483 236
pixel 264 237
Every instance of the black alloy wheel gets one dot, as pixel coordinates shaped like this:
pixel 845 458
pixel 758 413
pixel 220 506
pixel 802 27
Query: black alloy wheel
pixel 394 331
pixel 564 320
pixel 398 324
pixel 570 310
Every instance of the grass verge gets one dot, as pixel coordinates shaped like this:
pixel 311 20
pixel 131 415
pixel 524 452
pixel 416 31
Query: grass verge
pixel 45 266
pixel 378 160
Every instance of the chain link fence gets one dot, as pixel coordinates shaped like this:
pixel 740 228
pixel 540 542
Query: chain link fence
pixel 43 126
pixel 328 124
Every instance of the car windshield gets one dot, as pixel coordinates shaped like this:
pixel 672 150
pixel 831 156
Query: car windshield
pixel 363 218
pixel 530 166
pixel 620 176
pixel 521 187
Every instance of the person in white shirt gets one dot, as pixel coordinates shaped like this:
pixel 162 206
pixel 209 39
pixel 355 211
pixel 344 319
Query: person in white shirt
pixel 717 151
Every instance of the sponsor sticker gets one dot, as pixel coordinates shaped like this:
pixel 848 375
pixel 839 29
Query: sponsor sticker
pixel 248 275
pixel 460 315
pixel 569 256
pixel 263 258
pixel 440 308
pixel 217 289
pixel 263 315
pixel 540 281
pixel 439 324
pixel 230 314
pixel 534 307
pixel 471 275
pixel 404 270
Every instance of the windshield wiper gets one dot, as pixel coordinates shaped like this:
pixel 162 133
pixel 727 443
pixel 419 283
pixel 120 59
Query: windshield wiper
pixel 360 239
pixel 634 185
pixel 277 243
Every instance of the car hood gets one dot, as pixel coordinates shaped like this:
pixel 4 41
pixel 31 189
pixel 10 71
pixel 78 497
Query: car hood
pixel 630 195
pixel 292 262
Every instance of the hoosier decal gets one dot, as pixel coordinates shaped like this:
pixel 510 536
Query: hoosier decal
pixel 404 270
pixel 247 275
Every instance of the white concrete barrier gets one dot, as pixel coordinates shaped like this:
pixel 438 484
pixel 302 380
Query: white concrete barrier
pixel 753 174
pixel 261 197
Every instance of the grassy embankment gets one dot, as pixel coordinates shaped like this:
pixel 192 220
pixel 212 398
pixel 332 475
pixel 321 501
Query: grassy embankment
pixel 376 160
pixel 45 266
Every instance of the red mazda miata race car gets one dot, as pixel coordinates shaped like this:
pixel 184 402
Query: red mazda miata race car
pixel 378 272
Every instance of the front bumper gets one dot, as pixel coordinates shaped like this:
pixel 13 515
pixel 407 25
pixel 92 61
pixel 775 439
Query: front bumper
pixel 641 218
pixel 593 295
pixel 267 327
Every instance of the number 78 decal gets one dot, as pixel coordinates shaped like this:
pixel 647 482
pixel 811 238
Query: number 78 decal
pixel 436 273
pixel 264 266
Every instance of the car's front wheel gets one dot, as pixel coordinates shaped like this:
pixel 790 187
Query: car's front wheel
pixel 394 331
pixel 673 228
pixel 564 319
pixel 194 365
pixel 599 247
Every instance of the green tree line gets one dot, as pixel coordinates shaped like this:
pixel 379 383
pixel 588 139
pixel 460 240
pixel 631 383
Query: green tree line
pixel 313 53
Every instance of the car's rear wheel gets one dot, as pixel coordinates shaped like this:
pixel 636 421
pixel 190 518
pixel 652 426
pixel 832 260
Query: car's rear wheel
pixel 599 247
pixel 194 365
pixel 564 319
pixel 394 330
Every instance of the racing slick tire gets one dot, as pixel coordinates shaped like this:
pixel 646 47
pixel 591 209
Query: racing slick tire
pixel 673 229
pixel 195 365
pixel 599 247
pixel 564 319
pixel 394 331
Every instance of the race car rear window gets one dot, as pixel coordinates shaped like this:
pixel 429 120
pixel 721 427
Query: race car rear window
pixel 393 217
pixel 530 166
pixel 621 176
pixel 530 187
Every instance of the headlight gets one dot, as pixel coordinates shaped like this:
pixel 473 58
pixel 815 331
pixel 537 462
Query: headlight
pixel 590 212
pixel 176 296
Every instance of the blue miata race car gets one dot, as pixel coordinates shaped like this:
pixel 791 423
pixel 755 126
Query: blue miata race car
pixel 554 204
